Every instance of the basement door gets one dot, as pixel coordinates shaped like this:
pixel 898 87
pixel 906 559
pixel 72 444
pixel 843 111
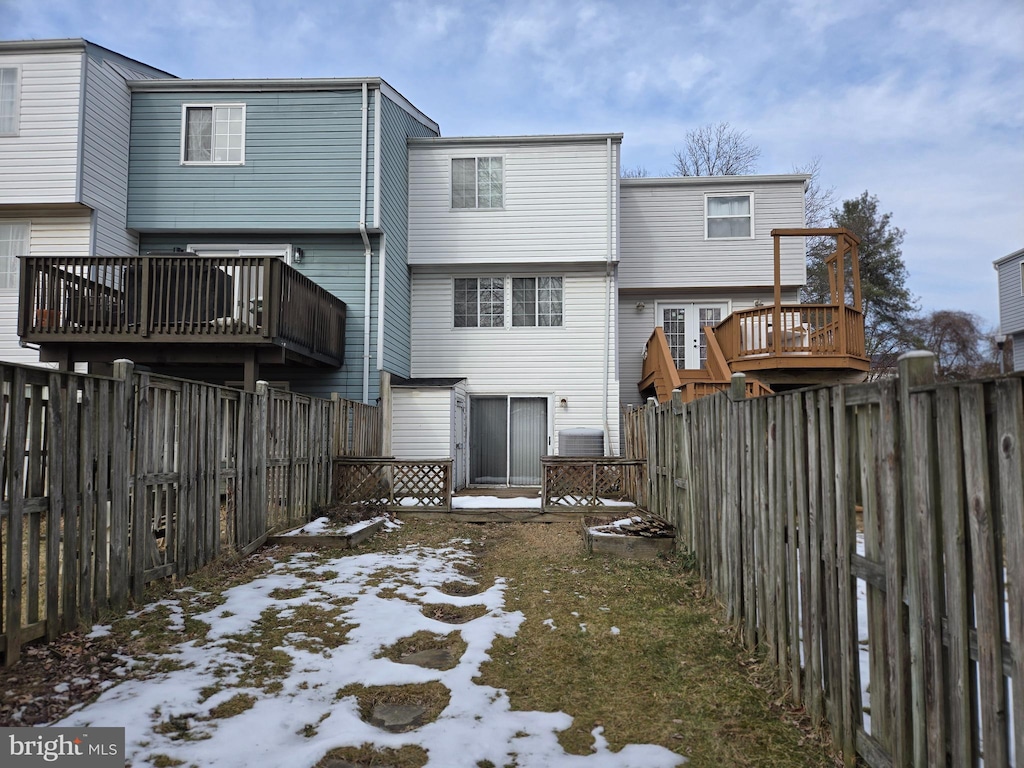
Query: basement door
pixel 684 329
pixel 507 437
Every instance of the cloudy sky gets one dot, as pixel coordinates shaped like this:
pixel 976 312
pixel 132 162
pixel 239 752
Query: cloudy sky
pixel 920 102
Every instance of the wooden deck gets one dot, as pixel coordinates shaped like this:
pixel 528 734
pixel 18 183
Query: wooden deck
pixel 776 345
pixel 178 308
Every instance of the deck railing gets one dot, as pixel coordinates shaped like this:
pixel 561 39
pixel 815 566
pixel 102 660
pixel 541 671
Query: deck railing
pixel 178 298
pixel 813 330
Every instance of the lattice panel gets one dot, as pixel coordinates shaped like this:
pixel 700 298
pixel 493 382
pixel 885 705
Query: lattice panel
pixel 393 483
pixel 572 484
pixel 608 482
pixel 362 484
pixel 421 484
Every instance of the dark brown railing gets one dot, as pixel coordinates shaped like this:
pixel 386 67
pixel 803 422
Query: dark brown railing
pixel 178 298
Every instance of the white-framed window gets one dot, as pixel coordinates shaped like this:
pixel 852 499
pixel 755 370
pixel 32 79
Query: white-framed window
pixel 479 302
pixel 486 302
pixel 728 216
pixel 213 134
pixel 478 182
pixel 9 101
pixel 13 243
pixel 537 301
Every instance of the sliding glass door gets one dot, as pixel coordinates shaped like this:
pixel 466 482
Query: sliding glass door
pixel 508 435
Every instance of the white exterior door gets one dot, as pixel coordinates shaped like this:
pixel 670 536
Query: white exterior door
pixel 683 324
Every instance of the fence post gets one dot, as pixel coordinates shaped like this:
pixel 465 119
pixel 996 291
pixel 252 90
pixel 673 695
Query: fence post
pixel 738 387
pixel 915 369
pixel 260 448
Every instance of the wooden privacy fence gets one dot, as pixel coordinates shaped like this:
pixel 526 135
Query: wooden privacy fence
pixel 109 483
pixel 870 539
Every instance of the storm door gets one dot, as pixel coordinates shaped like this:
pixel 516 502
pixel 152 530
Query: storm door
pixel 684 330
pixel 507 437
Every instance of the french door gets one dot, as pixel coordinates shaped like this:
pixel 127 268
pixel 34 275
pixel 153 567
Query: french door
pixel 683 324
pixel 507 437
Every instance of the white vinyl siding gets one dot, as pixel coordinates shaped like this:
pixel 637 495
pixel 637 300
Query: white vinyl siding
pixel 48 234
pixel 664 243
pixel 421 423
pixel 9 101
pixel 40 164
pixel 559 204
pixel 557 363
pixel 213 134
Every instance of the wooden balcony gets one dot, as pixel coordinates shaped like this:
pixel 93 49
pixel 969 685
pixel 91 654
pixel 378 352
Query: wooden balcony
pixel 178 308
pixel 778 345
pixel 818 343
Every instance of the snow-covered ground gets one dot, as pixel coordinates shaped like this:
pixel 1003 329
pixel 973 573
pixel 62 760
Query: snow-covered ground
pixel 299 724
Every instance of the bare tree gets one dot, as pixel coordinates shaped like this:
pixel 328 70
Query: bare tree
pixel 962 346
pixel 716 150
pixel 818 201
pixel 634 172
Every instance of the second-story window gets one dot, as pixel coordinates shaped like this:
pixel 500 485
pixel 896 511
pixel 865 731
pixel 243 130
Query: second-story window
pixel 537 301
pixel 728 216
pixel 486 302
pixel 8 101
pixel 479 302
pixel 477 182
pixel 213 133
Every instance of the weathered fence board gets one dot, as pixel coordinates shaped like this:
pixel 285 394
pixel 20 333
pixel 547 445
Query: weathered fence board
pixel 108 483
pixel 908 492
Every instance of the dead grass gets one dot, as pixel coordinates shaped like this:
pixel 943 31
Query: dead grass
pixel 673 674
pixel 369 755
pixel 670 676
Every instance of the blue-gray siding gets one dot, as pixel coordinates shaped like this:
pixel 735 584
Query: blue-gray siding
pixel 301 172
pixel 396 126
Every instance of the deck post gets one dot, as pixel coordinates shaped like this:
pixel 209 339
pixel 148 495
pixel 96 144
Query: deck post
pixel 777 307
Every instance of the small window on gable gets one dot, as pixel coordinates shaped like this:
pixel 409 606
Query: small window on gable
pixel 9 99
pixel 728 216
pixel 213 134
pixel 13 243
pixel 477 182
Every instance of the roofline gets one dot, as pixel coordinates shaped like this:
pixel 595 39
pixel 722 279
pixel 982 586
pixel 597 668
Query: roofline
pixel 277 85
pixel 697 181
pixel 567 138
pixel 256 85
pixel 1005 259
pixel 68 44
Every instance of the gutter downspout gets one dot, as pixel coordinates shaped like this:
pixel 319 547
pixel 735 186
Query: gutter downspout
pixel 607 304
pixel 367 250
